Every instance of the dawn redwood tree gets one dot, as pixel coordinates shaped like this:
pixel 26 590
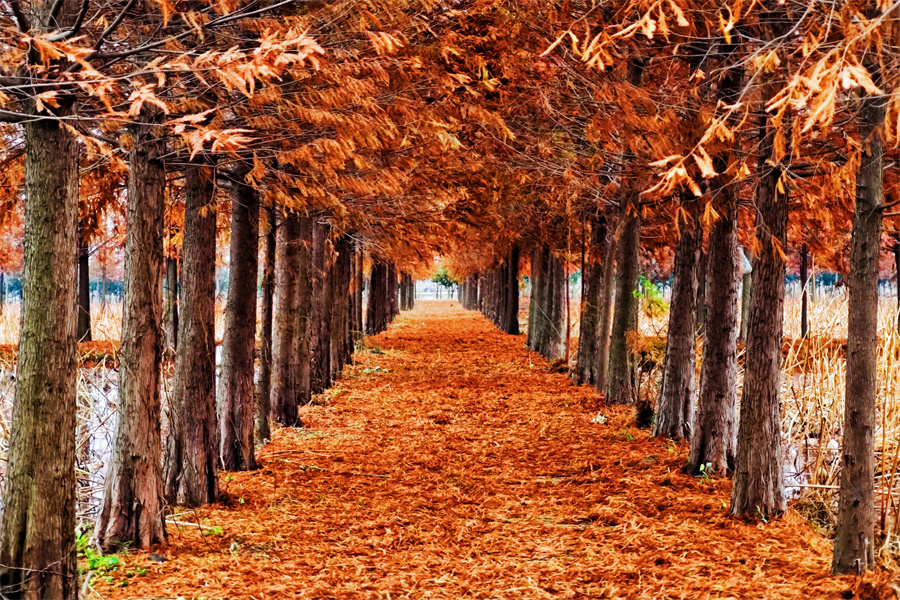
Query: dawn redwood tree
pixel 759 476
pixel 511 286
pixel 132 512
pixel 37 538
pixel 323 307
pixel 591 294
pixel 675 410
pixel 303 318
pixel 619 388
pixel 192 452
pixel 604 313
pixel 264 382
pixel 285 359
pixel 713 437
pixel 854 536
pixel 236 401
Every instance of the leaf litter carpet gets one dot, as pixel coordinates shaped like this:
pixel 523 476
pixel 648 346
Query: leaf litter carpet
pixel 450 463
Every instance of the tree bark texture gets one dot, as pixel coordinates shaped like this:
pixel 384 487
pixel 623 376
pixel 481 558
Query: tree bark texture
pixel 713 436
pixel 604 314
pixel 264 382
pixel 37 539
pixel 591 293
pixel 304 314
pixel 132 512
pixel 675 410
pixel 758 488
pixel 320 342
pixel 192 453
pixel 620 385
pixel 511 300
pixel 285 360
pixel 854 536
pixel 236 397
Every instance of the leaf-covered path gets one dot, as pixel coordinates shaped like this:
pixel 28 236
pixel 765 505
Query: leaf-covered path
pixel 449 463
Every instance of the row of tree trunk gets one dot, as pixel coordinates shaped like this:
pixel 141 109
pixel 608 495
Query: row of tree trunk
pixel 312 316
pixel 496 293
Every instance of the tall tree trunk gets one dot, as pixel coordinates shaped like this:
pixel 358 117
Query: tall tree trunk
pixel 358 284
pixel 591 292
pixel 804 293
pixel 854 536
pixel 552 341
pixel 236 401
pixel 758 477
pixel 604 314
pixel 303 323
pixel 536 316
pixel 375 309
pixel 84 289
pixel 511 301
pixel 172 302
pixel 132 512
pixel 264 383
pixel 190 470
pixel 320 345
pixel 713 435
pixel 620 388
pixel 2 292
pixel 37 539
pixel 675 410
pixel 285 360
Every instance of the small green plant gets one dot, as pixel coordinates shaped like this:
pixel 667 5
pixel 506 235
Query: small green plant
pixel 216 530
pixel 761 515
pixel 704 472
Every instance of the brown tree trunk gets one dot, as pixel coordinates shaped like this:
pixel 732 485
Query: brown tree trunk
pixel 264 383
pixel 285 360
pixel 713 435
pixel 172 302
pixel 132 512
pixel 358 283
pixel 84 289
pixel 591 292
pixel 675 410
pixel 320 342
pixel 604 314
pixel 854 536
pixel 236 401
pixel 511 300
pixel 37 539
pixel 303 323
pixel 190 469
pixel 758 488
pixel 377 296
pixel 620 389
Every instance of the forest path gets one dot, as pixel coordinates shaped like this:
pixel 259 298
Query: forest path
pixel 449 463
